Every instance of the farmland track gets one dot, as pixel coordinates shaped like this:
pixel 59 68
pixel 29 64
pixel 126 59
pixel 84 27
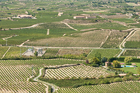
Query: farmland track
pixel 69 26
pixel 6 52
pixel 124 41
pixel 35 25
pixel 54 87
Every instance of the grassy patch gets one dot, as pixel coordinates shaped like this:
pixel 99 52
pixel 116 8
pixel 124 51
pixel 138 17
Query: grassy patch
pixel 86 39
pixel 131 69
pixel 73 51
pixel 131 53
pixel 105 25
pixel 104 52
pixel 2 51
pixel 132 44
pixel 15 52
pixel 51 52
pixel 124 20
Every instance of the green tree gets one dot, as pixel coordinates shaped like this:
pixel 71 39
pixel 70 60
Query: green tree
pixel 138 70
pixel 36 53
pixel 116 64
pixel 98 55
pixel 95 60
pixel 128 60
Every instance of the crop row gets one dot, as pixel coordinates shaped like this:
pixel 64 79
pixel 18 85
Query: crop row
pixel 75 71
pixel 123 87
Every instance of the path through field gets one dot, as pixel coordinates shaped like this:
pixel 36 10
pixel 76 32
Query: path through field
pixel 23 43
pixel 35 25
pixel 124 41
pixel 54 87
pixel 6 52
pixel 69 26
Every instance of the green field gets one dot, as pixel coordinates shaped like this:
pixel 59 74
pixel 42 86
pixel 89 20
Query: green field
pixel 15 52
pixel 131 69
pixel 132 44
pixel 134 53
pixel 2 51
pixel 50 52
pixel 125 20
pixel 104 53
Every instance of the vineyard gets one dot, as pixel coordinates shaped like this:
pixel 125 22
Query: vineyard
pixel 73 51
pixel 115 38
pixel 75 71
pixel 16 79
pixel 123 87
pixel 85 39
pixel 135 53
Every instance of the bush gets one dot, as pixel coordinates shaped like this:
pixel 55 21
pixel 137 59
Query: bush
pixel 117 80
pixel 125 78
pixel 95 65
pixel 131 77
pixel 105 82
pixel 108 76
pixel 101 77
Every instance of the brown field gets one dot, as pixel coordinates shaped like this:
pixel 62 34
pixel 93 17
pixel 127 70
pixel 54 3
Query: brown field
pixel 135 36
pixel 86 39
pixel 73 51
pixel 115 38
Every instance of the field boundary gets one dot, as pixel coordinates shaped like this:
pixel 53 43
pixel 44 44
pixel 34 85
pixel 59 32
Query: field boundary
pixel 69 26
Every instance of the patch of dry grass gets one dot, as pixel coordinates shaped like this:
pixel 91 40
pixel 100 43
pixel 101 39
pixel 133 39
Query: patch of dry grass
pixel 86 39
pixel 73 51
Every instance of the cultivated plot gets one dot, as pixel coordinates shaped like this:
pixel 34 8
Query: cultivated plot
pixel 130 87
pixel 75 71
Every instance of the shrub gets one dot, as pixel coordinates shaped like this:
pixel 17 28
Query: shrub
pixel 108 76
pixel 129 73
pixel 117 80
pixel 131 77
pixel 101 77
pixel 128 60
pixel 95 65
pixel 116 64
pixel 105 82
pixel 125 78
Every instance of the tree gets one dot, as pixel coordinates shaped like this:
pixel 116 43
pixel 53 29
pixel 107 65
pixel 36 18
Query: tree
pixel 98 55
pixel 128 60
pixel 138 71
pixel 95 60
pixel 0 28
pixel 36 53
pixel 116 64
pixel 104 59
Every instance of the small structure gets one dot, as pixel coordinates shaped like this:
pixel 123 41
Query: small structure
pixel 84 17
pixel 77 17
pixel 60 13
pixel 24 16
pixel 107 64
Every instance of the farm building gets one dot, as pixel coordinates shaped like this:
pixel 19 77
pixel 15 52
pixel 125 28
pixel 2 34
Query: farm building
pixel 25 16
